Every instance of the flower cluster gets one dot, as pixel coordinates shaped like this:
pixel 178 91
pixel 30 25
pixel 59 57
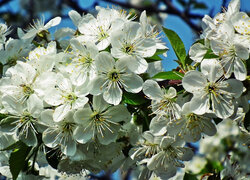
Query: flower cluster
pixel 83 97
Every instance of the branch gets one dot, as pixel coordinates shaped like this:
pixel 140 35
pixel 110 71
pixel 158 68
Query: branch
pixel 3 2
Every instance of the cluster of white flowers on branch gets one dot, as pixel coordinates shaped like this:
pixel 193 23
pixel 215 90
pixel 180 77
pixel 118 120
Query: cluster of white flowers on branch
pixel 85 94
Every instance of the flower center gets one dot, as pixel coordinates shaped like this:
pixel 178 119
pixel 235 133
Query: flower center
pixel 114 75
pixel 67 127
pixel 26 117
pixel 70 97
pixel 27 90
pixel 102 34
pixel 128 49
pixel 211 88
pixel 97 117
pixel 85 59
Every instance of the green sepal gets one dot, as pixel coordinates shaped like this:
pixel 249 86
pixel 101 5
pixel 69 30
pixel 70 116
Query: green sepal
pixel 3 116
pixel 210 55
pixel 169 75
pixel 133 99
pixel 156 56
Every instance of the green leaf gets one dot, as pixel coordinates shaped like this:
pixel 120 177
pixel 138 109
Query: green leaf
pixel 210 55
pixel 160 51
pixel 177 45
pixel 169 75
pixel 133 99
pixel 156 57
pixel 17 159
pixel 211 166
pixel 188 176
pixel 153 59
pixel 188 60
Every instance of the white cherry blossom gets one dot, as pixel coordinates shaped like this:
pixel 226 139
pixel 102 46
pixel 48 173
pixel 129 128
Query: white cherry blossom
pixel 65 97
pixel 39 27
pixel 210 91
pixel 60 133
pixel 99 121
pixel 190 126
pixel 163 102
pixel 23 119
pixel 112 76
pixel 130 46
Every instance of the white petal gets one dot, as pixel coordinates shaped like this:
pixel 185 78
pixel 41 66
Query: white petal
pixel 97 85
pixel 233 7
pixel 80 102
pixel 35 105
pixel 231 87
pixel 29 137
pixel 75 17
pixel 68 146
pixel 53 22
pixel 44 82
pixel 113 94
pixel 240 71
pixel 241 51
pixel 54 97
pixel 99 104
pixel 152 90
pixel 109 136
pixel 137 65
pixel 131 30
pixel 171 93
pixel 200 104
pixel 30 34
pixel 26 70
pixel 158 126
pixel 212 69
pixel 50 138
pixel 104 62
pixel 197 52
pixel 61 112
pixel 12 106
pixel 209 128
pixel 118 113
pixel 155 160
pixel 194 81
pixel 166 141
pixel 103 44
pixel 222 106
pixel 132 82
pixel 146 48
pixel 64 83
pixel 83 115
pixel 47 117
pixel 83 134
